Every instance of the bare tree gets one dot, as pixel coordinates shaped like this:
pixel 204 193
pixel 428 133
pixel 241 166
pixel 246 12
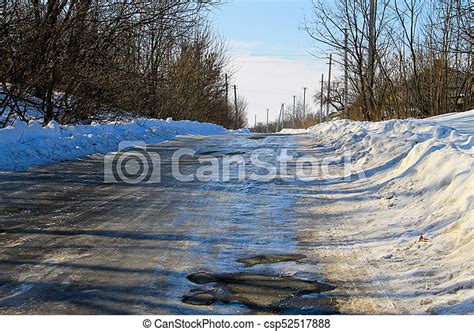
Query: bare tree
pixel 85 59
pixel 406 57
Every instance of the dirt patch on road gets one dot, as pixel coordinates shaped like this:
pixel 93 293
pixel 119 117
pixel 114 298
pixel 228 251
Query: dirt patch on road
pixel 259 292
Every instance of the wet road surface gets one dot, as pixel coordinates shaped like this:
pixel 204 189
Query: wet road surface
pixel 72 244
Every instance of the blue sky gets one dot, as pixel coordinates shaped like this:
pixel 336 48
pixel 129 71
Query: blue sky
pixel 269 52
pixel 275 24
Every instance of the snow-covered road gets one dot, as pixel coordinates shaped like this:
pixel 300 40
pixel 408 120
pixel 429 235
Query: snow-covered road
pixel 394 237
pixel 72 244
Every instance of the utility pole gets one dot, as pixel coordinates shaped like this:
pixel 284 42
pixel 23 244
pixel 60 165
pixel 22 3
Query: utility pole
pixel 329 87
pixel 304 105
pixel 371 54
pixel 322 97
pixel 346 73
pixel 282 116
pixel 227 90
pixel 236 108
pixel 255 126
pixel 268 113
pixel 294 111
pixel 278 122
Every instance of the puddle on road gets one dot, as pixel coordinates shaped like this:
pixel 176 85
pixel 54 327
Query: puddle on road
pixel 270 259
pixel 266 293
pixel 207 153
pixel 235 153
pixel 262 292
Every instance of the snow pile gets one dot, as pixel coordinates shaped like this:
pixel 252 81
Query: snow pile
pixel 292 131
pixel 25 145
pixel 408 214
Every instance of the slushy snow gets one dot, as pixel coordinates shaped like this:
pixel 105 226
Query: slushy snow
pixel 26 145
pixel 398 237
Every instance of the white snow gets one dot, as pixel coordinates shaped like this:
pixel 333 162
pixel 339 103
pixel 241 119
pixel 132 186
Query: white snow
pixel 292 131
pixel 419 181
pixel 25 145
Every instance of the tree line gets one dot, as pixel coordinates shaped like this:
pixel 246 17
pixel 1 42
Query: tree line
pixel 84 60
pixel 405 58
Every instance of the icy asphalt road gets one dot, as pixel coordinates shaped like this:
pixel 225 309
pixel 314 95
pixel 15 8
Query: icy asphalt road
pixel 71 244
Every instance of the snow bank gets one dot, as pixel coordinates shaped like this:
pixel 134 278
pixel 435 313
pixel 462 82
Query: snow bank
pixel 419 181
pixel 292 131
pixel 25 145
